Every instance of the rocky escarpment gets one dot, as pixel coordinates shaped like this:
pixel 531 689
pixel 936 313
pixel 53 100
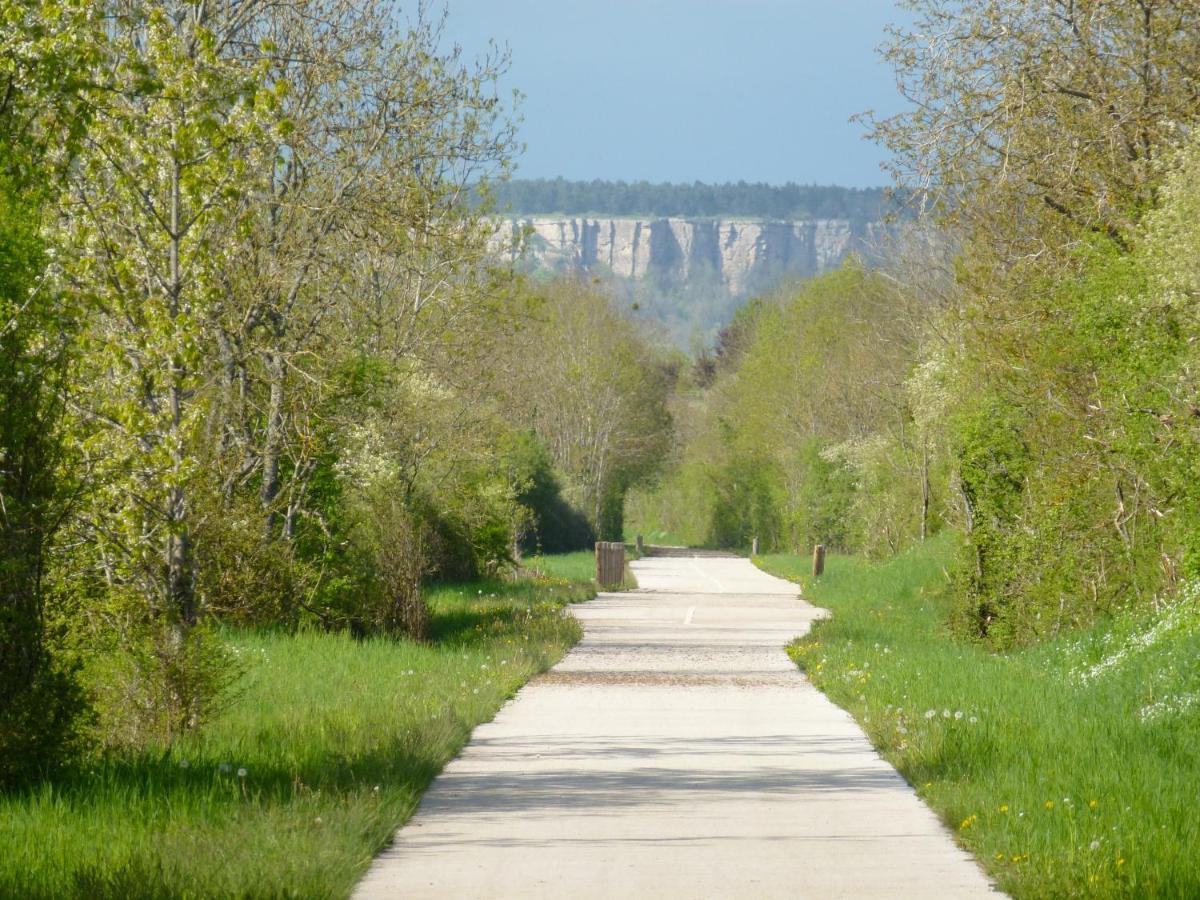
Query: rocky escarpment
pixel 742 254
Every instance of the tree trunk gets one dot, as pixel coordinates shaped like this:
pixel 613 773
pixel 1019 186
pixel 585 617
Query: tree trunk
pixel 924 490
pixel 181 593
pixel 272 441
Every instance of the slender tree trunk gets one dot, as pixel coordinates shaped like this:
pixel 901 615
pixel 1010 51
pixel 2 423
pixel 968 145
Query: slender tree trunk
pixel 181 594
pixel 273 440
pixel 924 490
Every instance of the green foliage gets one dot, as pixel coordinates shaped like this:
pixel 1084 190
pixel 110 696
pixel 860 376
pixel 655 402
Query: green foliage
pixel 41 699
pixel 595 393
pixel 1074 451
pixel 785 444
pixel 1067 769
pixel 256 358
pixel 556 526
pixel 1029 377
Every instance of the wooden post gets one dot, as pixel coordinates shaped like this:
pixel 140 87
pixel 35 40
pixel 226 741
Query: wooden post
pixel 610 563
pixel 754 546
pixel 641 548
pixel 818 560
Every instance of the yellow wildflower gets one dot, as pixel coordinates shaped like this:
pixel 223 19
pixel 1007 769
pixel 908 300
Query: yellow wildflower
pixel 1049 804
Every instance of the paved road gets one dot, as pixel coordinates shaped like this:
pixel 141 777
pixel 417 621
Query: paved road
pixel 676 752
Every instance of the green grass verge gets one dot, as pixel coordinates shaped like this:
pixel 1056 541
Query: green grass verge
pixel 304 777
pixel 579 566
pixel 1069 769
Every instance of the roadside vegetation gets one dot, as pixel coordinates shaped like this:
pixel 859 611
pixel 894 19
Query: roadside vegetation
pixel 579 566
pixel 1021 365
pixel 322 749
pixel 1070 768
pixel 997 427
pixel 277 422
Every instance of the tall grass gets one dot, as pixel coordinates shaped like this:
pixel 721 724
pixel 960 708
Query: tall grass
pixel 304 777
pixel 1070 769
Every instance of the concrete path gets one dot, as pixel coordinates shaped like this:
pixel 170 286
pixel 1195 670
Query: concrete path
pixel 676 752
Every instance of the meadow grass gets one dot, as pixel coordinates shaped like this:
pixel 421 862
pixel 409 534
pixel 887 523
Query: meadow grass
pixel 323 752
pixel 1071 768
pixel 578 566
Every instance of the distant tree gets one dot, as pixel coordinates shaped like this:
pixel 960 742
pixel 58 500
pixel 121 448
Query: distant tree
pixel 698 199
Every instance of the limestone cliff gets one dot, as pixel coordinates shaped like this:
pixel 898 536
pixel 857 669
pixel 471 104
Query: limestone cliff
pixel 742 254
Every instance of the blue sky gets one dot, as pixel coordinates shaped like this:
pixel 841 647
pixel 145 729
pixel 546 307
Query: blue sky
pixel 683 90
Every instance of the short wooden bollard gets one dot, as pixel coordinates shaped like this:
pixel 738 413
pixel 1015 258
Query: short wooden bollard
pixel 754 546
pixel 610 563
pixel 641 548
pixel 818 560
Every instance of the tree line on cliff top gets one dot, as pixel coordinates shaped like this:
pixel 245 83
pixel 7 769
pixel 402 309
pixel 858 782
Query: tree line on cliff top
pixel 550 196
pixel 257 365
pixel 1022 364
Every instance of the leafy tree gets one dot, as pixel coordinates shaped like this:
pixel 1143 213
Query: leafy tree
pixel 1026 119
pixel 596 396
pixel 45 51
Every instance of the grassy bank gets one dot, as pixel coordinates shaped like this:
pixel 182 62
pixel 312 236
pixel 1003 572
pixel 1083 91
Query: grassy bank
pixel 580 566
pixel 1070 769
pixel 292 790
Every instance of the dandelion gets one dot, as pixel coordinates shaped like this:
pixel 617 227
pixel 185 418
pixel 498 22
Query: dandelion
pixel 1092 804
pixel 1049 804
pixel 974 719
pixel 1120 862
pixel 1003 807
pixel 375 789
pixel 930 713
pixel 958 714
pixel 945 713
pixel 241 773
pixel 223 768
pixel 183 764
pixel 317 820
pixel 1094 845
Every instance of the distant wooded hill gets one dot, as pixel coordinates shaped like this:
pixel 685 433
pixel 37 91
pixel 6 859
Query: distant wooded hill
pixel 550 196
